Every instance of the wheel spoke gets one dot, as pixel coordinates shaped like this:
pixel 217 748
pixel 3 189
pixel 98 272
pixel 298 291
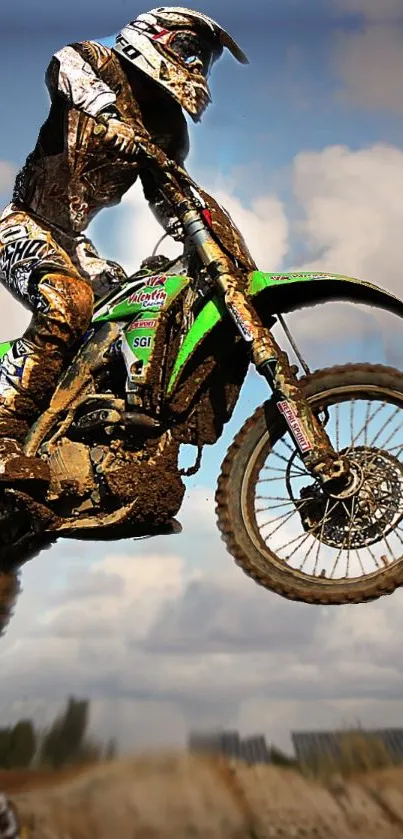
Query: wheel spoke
pixel 366 424
pixel 323 536
pixel 303 536
pixel 292 474
pixel 352 403
pixel 337 427
pixel 281 519
pixel 337 559
pixel 385 425
pixel 308 553
pixel 391 436
pixel 360 562
pixel 373 557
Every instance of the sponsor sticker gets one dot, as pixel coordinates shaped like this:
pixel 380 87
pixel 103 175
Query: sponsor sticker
pixel 145 342
pixel 294 425
pixel 143 323
pixel 13 232
pixel 155 280
pixel 320 276
pixel 154 298
pixel 28 252
pixel 242 326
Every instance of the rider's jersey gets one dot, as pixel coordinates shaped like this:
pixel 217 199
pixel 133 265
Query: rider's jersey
pixel 71 174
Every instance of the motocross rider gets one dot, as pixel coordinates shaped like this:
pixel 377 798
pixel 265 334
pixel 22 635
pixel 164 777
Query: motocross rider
pixel 9 825
pixel 158 65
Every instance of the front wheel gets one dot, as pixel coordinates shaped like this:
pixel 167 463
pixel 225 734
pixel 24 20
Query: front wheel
pixel 277 522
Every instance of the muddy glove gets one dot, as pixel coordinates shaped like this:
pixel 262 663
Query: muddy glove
pixel 118 134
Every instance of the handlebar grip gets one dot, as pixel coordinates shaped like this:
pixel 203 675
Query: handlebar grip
pixel 100 129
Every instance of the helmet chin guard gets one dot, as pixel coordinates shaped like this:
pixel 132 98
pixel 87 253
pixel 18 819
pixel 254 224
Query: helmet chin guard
pixel 177 48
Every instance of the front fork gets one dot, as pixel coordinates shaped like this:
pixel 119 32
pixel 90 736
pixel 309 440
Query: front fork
pixel 309 436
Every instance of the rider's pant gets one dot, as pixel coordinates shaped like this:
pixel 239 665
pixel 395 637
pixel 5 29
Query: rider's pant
pixel 41 275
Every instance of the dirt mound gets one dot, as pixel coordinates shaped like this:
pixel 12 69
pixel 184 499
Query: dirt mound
pixel 15 780
pixel 180 796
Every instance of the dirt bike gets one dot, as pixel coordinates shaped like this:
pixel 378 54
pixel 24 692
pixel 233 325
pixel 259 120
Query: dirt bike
pixel 309 498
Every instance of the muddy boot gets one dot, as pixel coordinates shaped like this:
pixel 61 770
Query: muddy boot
pixel 30 369
pixel 15 465
pixel 17 413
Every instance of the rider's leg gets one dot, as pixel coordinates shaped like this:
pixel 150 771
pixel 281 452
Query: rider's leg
pixel 32 366
pixel 62 303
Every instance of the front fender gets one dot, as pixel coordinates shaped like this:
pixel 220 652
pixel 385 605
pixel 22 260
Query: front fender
pixel 284 293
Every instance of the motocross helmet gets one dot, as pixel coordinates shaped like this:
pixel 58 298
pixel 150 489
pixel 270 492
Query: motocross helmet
pixel 177 47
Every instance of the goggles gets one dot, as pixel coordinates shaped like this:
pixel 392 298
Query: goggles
pixel 192 50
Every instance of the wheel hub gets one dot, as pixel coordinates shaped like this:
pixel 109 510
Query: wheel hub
pixel 364 511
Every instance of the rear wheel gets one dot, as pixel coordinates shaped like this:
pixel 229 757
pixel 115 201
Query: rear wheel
pixel 281 528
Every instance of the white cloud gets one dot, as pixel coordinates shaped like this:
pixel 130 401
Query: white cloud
pixel 369 64
pixel 139 232
pixel 351 221
pixel 263 225
pixel 161 646
pixel 262 222
pixel 352 210
pixel 7 175
pixel 14 318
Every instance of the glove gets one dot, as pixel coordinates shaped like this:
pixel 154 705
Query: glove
pixel 119 134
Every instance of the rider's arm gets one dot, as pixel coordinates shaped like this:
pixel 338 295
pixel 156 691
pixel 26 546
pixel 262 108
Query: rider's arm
pixel 74 74
pixel 71 76
pixel 159 206
pixel 221 222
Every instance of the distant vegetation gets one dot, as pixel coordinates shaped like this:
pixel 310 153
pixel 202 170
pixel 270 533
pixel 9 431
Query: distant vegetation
pixel 357 752
pixel 64 743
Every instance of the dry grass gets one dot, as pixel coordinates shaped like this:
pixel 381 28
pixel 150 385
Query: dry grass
pixel 183 796
pixel 358 753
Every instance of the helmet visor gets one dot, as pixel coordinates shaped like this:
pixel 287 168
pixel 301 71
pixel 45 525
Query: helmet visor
pixel 193 50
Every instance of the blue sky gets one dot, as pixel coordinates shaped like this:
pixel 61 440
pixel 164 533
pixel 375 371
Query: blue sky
pixel 305 147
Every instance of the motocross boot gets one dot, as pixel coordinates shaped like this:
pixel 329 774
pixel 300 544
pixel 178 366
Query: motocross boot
pixel 30 370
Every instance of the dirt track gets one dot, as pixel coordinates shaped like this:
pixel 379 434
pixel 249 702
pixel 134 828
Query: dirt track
pixel 184 796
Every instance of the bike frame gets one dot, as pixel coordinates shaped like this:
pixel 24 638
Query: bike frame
pixel 268 293
pixel 247 297
pixel 142 302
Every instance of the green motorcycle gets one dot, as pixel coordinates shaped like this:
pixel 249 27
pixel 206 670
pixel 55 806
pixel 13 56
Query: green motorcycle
pixel 310 494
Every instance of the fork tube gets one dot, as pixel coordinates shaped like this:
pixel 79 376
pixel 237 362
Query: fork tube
pixel 270 361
